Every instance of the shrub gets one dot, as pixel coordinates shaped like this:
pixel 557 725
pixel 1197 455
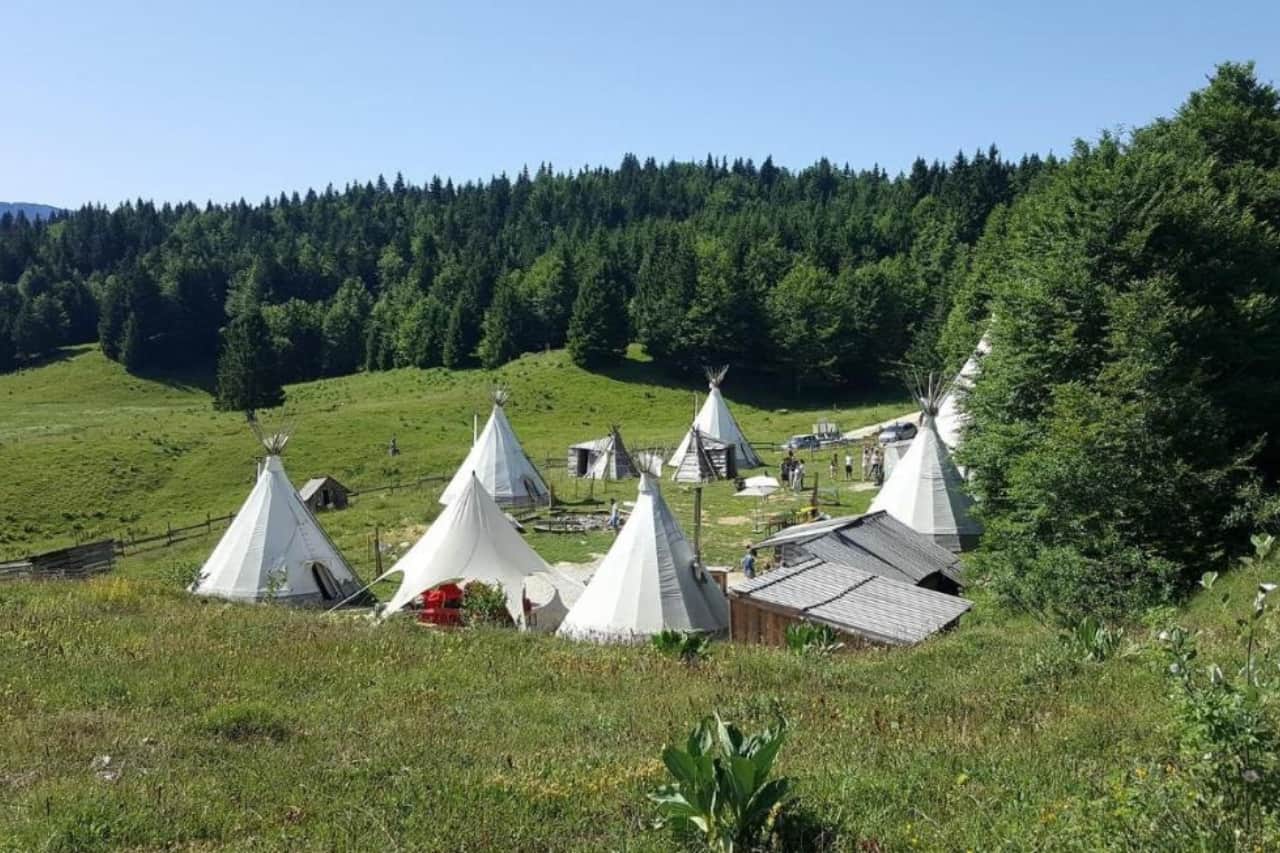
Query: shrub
pixel 247 721
pixel 812 638
pixel 484 604
pixel 690 647
pixel 1089 640
pixel 1227 735
pixel 722 791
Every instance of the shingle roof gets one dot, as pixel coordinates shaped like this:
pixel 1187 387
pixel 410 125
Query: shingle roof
pixel 876 542
pixel 855 601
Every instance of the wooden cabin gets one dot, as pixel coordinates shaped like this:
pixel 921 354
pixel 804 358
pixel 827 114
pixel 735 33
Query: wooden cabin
pixel 324 493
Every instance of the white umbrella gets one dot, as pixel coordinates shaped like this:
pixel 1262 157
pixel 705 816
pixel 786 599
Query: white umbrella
pixel 758 487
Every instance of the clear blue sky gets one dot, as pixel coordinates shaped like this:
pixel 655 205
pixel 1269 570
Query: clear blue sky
pixel 111 100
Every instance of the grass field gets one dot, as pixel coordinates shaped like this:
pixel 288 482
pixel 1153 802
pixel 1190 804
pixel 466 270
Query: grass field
pixel 259 728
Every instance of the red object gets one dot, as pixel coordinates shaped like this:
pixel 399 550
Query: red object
pixel 442 605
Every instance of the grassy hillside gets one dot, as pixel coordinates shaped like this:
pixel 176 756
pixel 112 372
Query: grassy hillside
pixel 90 451
pixel 239 727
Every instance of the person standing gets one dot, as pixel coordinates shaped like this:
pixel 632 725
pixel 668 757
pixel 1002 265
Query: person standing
pixel 835 465
pixel 848 465
pixel 749 563
pixel 866 461
pixel 615 517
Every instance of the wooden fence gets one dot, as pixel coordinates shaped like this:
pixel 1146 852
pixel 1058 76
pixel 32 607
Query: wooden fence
pixel 78 561
pixel 171 535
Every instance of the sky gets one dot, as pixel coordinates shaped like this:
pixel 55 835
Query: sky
pixel 106 101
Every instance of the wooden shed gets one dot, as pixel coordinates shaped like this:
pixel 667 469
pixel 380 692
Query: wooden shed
pixel 324 493
pixel 865 608
pixel 603 459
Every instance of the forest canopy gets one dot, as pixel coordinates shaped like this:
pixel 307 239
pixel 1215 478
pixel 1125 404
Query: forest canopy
pixel 823 275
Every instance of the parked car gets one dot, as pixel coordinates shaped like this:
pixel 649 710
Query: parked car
pixel 903 431
pixel 806 441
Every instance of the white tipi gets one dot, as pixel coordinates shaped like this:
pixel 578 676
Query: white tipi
pixel 500 463
pixel 648 582
pixel 951 415
pixel 926 490
pixel 716 421
pixel 471 540
pixel 275 549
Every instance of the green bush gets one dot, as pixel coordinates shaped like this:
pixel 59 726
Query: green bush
pixel 722 791
pixel 812 638
pixel 247 721
pixel 690 647
pixel 484 604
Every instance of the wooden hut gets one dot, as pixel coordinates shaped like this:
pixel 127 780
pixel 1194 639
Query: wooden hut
pixel 867 610
pixel 704 459
pixel 324 493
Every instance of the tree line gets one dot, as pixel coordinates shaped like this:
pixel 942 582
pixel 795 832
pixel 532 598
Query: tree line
pixel 825 274
pixel 1124 436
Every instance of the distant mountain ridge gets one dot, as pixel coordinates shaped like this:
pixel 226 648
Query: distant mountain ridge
pixel 31 211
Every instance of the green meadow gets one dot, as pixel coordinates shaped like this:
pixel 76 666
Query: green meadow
pixel 137 717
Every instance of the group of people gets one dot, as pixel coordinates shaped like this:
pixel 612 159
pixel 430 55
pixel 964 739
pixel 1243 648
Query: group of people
pixel 792 472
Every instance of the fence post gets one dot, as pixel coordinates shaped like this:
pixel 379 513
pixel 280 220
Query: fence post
pixel 168 532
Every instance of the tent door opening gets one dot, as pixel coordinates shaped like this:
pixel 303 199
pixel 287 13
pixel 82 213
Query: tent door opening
pixel 324 581
pixel 583 462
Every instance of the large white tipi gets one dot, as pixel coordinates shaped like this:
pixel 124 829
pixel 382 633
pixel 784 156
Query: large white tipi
pixel 925 491
pixel 275 548
pixel 952 418
pixel 648 582
pixel 500 463
pixel 717 422
pixel 471 540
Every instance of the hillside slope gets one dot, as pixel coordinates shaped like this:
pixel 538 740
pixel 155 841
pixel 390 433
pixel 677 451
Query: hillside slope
pixel 92 451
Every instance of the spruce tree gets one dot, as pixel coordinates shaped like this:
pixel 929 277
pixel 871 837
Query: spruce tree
pixel 133 344
pixel 501 330
pixel 598 328
pixel 454 353
pixel 247 374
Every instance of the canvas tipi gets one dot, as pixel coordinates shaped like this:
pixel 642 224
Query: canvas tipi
pixel 648 582
pixel 471 540
pixel 500 463
pixel 951 415
pixel 926 490
pixel 275 548
pixel 715 421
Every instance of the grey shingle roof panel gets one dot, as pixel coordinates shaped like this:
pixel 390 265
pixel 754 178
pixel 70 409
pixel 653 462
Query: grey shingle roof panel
pixel 856 601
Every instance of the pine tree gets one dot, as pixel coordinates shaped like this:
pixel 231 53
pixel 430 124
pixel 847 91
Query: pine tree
pixel 598 328
pixel 247 373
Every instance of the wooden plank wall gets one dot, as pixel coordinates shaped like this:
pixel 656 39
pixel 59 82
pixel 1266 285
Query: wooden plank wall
pixel 80 561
